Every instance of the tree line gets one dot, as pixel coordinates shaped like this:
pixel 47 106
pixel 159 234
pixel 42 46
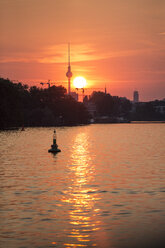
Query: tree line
pixel 111 106
pixel 120 107
pixel 33 106
pixel 21 105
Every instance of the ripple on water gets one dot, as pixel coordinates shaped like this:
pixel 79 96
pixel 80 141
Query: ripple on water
pixel 85 196
pixel 123 213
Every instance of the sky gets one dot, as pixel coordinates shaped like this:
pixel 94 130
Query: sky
pixel 119 44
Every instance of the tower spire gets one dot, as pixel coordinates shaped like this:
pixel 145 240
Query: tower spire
pixel 68 54
pixel 105 90
pixel 69 73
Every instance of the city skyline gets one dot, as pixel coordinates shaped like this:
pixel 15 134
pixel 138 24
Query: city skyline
pixel 119 44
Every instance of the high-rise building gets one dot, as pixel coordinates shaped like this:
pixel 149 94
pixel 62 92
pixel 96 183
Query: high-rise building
pixel 136 96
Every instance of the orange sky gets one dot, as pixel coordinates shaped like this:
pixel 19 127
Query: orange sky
pixel 120 43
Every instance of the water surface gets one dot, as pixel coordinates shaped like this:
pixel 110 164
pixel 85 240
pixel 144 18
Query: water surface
pixel 105 189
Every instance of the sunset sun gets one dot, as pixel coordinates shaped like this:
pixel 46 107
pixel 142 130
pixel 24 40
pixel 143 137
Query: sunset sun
pixel 79 82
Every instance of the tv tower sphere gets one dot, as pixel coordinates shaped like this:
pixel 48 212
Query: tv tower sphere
pixel 69 73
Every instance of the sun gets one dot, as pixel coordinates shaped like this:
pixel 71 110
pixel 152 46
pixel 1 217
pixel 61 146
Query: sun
pixel 79 82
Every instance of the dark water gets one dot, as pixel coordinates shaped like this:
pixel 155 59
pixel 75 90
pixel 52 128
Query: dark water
pixel 105 189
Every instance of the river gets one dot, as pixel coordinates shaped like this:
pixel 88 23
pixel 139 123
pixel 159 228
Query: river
pixel 105 189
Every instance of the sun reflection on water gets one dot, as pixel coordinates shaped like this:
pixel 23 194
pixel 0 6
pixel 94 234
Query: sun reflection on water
pixel 81 195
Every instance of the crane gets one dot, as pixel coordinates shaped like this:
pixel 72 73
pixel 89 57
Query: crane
pixel 55 83
pixel 48 83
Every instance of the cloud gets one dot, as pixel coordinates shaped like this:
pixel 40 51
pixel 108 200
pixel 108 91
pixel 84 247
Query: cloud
pixel 79 53
pixel 51 54
pixel 84 69
pixel 86 52
pixel 59 53
pixel 14 60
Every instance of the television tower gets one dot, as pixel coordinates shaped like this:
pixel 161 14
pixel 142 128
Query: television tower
pixel 69 73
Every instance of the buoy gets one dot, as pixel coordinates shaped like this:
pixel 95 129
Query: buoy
pixel 23 129
pixel 54 146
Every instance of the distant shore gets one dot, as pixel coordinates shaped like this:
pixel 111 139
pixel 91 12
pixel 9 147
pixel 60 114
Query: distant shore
pixel 145 122
pixel 130 122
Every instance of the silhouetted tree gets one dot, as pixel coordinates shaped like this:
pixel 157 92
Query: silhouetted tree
pixel 111 106
pixel 148 112
pixel 34 106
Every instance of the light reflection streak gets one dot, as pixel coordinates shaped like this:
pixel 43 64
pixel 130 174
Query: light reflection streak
pixel 82 197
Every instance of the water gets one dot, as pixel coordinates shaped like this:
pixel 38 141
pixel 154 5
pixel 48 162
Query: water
pixel 105 189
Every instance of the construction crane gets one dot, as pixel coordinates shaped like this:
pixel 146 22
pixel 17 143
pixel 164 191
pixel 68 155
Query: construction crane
pixel 48 83
pixel 55 83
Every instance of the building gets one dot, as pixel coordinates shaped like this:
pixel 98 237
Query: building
pixel 160 109
pixel 74 95
pixel 91 107
pixel 136 96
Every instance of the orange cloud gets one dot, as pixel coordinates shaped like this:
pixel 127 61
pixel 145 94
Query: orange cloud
pixel 79 53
